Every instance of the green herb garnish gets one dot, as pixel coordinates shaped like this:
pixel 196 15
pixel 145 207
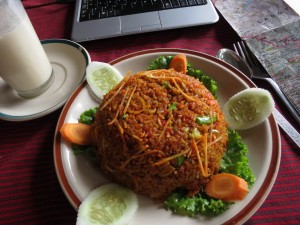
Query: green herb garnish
pixel 165 84
pixel 180 160
pixel 205 119
pixel 202 204
pixel 235 162
pixel 163 62
pixel 173 106
pixel 124 116
pixel 88 116
pixel 85 150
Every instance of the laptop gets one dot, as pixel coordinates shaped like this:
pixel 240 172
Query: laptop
pixel 99 19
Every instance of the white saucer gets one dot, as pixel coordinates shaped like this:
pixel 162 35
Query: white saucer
pixel 69 61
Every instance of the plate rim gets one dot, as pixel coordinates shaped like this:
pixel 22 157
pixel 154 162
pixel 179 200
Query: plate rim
pixel 86 55
pixel 272 172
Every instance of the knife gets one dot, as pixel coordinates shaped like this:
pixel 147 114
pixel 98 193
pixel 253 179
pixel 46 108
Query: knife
pixel 287 127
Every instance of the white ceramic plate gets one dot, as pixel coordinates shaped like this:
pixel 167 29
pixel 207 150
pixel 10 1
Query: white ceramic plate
pixel 78 176
pixel 69 61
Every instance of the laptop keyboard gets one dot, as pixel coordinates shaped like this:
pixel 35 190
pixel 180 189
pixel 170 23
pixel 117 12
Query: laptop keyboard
pixel 97 9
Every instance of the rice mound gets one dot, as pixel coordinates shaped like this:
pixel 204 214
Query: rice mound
pixel 147 136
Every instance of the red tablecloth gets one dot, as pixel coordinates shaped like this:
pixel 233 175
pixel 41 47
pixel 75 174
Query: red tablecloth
pixel 29 189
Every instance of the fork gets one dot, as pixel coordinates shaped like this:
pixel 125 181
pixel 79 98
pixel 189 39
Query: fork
pixel 258 72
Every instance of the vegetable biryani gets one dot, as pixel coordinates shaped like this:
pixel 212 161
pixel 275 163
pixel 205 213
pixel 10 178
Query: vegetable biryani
pixel 160 130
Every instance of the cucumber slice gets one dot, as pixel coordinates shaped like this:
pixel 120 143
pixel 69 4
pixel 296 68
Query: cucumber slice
pixel 248 108
pixel 101 78
pixel 109 204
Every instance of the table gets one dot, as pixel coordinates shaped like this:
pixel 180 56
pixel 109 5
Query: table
pixel 29 189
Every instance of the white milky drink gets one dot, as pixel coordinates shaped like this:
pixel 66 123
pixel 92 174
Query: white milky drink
pixel 24 64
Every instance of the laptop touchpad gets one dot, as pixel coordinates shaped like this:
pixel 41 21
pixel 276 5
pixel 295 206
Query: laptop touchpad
pixel 138 22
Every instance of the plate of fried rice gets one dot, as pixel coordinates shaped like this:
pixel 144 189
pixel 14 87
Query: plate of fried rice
pixel 78 175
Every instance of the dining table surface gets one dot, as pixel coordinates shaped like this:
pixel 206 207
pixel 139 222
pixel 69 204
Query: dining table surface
pixel 30 192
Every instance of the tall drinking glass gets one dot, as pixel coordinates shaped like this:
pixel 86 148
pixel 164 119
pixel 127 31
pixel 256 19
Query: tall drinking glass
pixel 24 65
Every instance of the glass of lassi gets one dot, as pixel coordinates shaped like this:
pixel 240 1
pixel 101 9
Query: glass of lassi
pixel 24 65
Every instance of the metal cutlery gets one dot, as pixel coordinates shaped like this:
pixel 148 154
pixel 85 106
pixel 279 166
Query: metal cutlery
pixel 258 72
pixel 238 62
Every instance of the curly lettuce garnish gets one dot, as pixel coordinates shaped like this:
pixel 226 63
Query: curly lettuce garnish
pixel 163 62
pixel 88 116
pixel 234 161
pixel 180 204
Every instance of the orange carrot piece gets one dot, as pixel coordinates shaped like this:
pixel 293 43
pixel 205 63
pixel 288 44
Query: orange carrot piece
pixel 77 133
pixel 179 63
pixel 227 187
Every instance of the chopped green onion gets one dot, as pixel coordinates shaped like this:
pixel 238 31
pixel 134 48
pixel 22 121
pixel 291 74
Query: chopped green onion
pixel 123 117
pixel 165 84
pixel 180 160
pixel 195 133
pixel 173 106
pixel 205 120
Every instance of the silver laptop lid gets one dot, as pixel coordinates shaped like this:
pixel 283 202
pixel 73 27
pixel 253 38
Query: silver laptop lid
pixel 142 22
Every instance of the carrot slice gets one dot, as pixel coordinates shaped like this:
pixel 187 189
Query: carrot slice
pixel 77 133
pixel 179 63
pixel 227 187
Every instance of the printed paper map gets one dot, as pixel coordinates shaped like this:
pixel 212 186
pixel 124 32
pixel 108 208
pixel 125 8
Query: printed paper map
pixel 271 30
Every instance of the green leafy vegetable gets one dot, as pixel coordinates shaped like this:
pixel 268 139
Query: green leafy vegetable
pixel 235 160
pixel 208 82
pixel 163 62
pixel 179 204
pixel 88 116
pixel 88 151
pixel 197 73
